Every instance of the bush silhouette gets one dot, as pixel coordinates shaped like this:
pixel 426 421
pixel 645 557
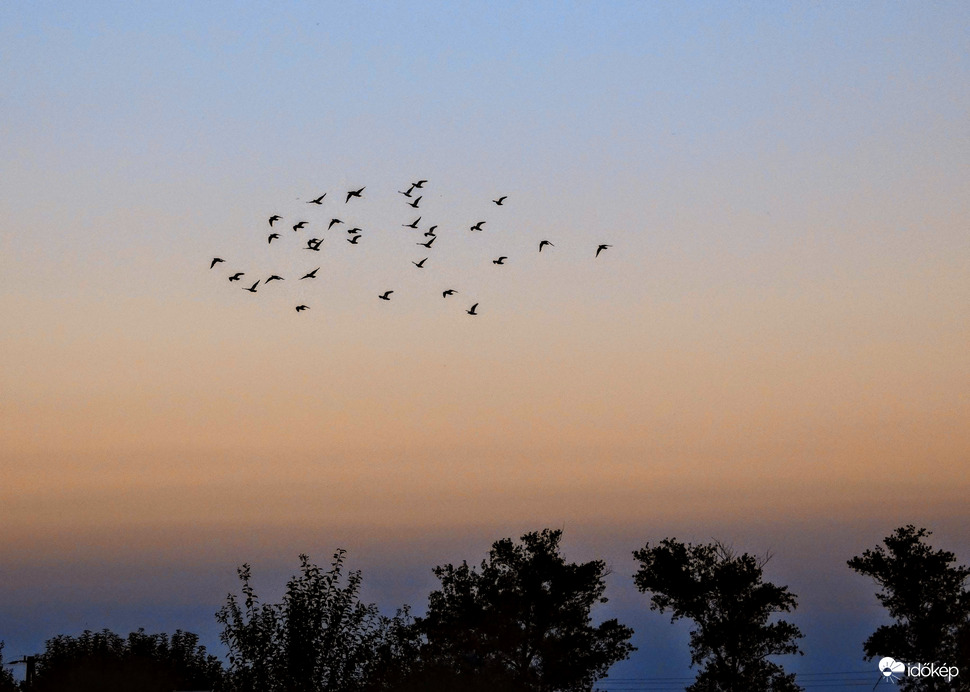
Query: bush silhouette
pixel 100 661
pixel 321 637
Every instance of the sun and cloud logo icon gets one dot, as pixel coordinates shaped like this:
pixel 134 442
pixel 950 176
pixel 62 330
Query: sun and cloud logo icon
pixel 891 669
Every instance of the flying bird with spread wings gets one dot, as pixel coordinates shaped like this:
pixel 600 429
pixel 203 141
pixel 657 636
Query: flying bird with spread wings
pixel 311 275
pixel 471 310
pixel 543 243
pixel 386 296
pixel 354 193
pixel 601 248
pixel 500 200
pixel 318 200
pixel 215 261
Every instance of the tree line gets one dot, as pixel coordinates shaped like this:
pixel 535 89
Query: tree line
pixel 521 621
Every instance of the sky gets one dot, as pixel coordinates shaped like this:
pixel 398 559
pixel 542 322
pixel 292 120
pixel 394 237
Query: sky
pixel 771 352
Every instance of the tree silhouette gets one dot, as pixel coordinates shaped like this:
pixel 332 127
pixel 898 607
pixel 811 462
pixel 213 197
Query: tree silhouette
pixel 723 593
pixel 520 622
pixel 141 663
pixel 925 594
pixel 321 637
pixel 7 683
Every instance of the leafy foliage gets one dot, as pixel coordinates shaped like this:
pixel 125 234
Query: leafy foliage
pixel 925 594
pixel 7 683
pixel 725 596
pixel 321 637
pixel 141 663
pixel 520 622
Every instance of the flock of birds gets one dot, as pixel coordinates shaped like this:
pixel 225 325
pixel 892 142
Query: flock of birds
pixel 414 195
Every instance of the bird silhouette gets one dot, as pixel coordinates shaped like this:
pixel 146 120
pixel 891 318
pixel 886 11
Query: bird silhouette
pixel 477 226
pixel 353 241
pixel 351 231
pixel 274 277
pixel 313 244
pixel 252 289
pixel 333 222
pixel 311 275
pixel 413 224
pixel 215 261
pixel 274 218
pixel 353 193
pixel 471 310
pixel 428 244
pixel 301 308
pixel 300 225
pixel 407 193
pixel 500 260
pixel 386 296
pixel 318 200
pixel 420 265
pixel 272 237
pixel 419 184
pixel 415 202
pixel 430 231
pixel 543 243
pixel 449 292
pixel 500 200
pixel 235 277
pixel 601 248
